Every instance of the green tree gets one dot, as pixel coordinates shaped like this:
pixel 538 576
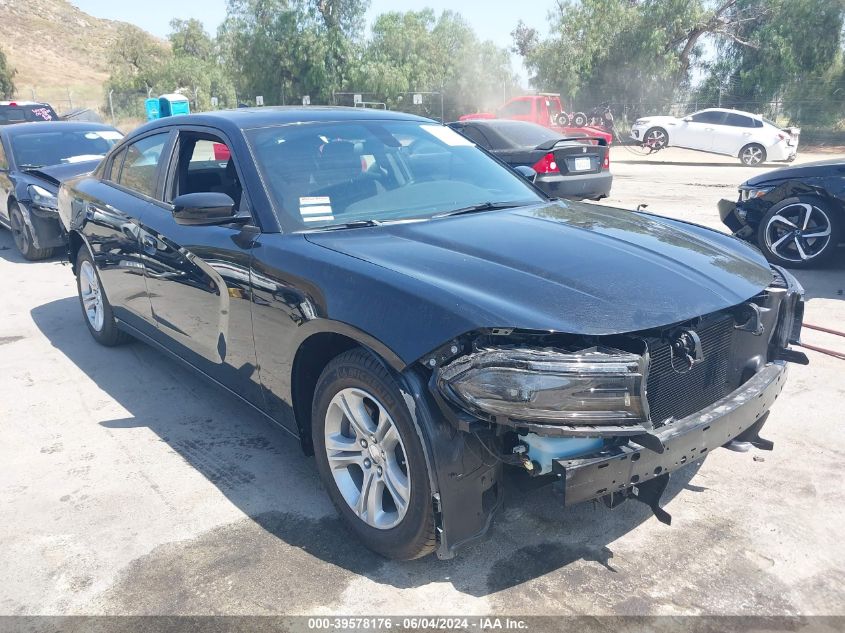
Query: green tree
pixel 7 75
pixel 189 39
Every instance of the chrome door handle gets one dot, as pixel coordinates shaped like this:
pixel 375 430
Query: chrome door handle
pixel 150 244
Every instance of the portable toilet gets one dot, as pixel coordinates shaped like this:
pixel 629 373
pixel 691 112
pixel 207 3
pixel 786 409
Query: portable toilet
pixel 173 104
pixel 152 108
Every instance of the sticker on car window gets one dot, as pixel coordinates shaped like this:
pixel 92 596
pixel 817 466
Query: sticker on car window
pixel 315 208
pixel 448 136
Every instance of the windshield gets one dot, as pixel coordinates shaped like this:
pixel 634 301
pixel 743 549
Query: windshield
pixel 37 149
pixel 333 173
pixel 523 134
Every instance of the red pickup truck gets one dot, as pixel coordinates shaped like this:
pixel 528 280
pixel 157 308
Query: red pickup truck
pixel 543 109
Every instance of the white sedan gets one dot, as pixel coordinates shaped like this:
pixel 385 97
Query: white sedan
pixel 749 137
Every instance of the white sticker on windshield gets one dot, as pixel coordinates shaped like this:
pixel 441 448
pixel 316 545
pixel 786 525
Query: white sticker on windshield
pixel 110 135
pixel 448 136
pixel 315 208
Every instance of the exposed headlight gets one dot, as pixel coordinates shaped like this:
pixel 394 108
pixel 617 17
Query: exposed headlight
pixel 596 386
pixel 43 198
pixel 641 121
pixel 749 194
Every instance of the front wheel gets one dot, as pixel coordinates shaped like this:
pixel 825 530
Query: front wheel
pixel 370 458
pixel 95 305
pixel 800 232
pixel 752 155
pixel 23 238
pixel 655 138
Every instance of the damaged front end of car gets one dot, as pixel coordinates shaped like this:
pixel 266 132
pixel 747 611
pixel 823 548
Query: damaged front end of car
pixel 609 417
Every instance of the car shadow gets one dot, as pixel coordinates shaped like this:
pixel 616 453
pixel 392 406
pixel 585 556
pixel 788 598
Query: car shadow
pixel 262 471
pixel 682 163
pixel 824 283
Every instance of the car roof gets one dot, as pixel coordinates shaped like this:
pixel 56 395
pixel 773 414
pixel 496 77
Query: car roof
pixel 499 123
pixel 16 129
pixel 24 103
pixel 732 111
pixel 250 118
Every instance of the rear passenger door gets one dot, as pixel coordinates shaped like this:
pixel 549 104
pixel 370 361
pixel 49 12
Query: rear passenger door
pixel 113 208
pixel 198 277
pixel 5 183
pixel 735 134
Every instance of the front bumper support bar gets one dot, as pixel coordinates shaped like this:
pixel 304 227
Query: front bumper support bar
pixel 618 472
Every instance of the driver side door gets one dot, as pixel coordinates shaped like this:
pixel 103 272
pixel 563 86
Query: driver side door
pixel 699 130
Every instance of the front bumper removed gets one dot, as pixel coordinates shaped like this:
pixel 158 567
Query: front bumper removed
pixel 628 470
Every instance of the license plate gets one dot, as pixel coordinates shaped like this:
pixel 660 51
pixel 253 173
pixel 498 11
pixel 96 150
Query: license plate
pixel 583 164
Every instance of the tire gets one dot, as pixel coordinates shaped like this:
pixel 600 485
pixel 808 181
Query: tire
pixel 23 238
pixel 386 454
pixel 562 119
pixel 655 138
pixel 96 309
pixel 777 237
pixel 752 155
pixel 579 119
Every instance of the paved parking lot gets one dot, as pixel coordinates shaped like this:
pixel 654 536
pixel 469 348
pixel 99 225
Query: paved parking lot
pixel 130 486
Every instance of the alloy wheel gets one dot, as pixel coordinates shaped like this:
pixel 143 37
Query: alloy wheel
pixel 798 232
pixel 367 458
pixel 92 298
pixel 752 155
pixel 656 139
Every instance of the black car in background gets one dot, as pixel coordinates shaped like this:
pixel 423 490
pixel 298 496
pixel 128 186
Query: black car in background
pixel 26 112
pixel 795 215
pixel 567 167
pixel 421 318
pixel 34 160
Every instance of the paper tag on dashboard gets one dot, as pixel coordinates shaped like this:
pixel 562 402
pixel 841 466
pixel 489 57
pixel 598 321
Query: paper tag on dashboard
pixel 315 208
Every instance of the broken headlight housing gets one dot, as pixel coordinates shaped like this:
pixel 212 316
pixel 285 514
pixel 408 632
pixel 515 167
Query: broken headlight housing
pixel 596 386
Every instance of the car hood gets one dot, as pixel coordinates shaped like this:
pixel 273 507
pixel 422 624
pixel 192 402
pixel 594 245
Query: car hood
pixel 816 169
pixel 566 267
pixel 57 174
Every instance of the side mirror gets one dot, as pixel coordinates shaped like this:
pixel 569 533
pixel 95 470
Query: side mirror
pixel 203 209
pixel 688 119
pixel 526 172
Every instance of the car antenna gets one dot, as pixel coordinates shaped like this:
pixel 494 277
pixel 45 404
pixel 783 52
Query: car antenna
pixel 642 206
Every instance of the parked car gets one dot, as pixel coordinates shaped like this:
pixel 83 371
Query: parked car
pixel 422 318
pixel 749 137
pixel 34 159
pixel 541 109
pixel 795 215
pixel 565 167
pixel 25 112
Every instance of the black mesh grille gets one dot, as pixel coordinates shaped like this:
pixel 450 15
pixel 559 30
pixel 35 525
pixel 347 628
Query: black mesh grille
pixel 675 394
pixel 777 280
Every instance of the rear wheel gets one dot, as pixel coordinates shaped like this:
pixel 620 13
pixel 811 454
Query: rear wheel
pixel 95 305
pixel 370 458
pixel 23 237
pixel 752 155
pixel 655 138
pixel 800 232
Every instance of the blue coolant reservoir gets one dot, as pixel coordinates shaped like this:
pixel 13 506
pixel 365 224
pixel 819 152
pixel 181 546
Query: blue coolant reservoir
pixel 543 449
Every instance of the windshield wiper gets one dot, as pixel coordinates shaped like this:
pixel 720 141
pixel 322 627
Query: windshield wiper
pixel 29 167
pixel 355 224
pixel 478 208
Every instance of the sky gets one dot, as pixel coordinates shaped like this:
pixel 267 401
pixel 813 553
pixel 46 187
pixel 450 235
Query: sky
pixel 491 19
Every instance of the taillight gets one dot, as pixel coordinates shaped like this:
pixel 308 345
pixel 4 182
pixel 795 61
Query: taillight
pixel 606 163
pixel 546 165
pixel 782 137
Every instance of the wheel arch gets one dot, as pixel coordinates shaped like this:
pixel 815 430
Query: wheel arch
pixel 314 352
pixel 75 241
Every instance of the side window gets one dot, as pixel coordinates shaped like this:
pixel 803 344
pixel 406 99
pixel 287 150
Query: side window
pixel 4 164
pixel 714 118
pixel 516 108
pixel 475 135
pixel 205 164
pixel 738 120
pixel 113 170
pixel 141 162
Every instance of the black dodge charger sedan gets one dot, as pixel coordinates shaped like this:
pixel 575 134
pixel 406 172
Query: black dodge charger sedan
pixel 796 215
pixel 422 318
pixel 566 167
pixel 34 159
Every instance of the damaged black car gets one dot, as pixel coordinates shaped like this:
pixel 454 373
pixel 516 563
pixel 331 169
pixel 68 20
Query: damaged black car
pixel 795 215
pixel 423 319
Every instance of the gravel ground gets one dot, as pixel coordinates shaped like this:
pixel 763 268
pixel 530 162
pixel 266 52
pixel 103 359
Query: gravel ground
pixel 130 486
